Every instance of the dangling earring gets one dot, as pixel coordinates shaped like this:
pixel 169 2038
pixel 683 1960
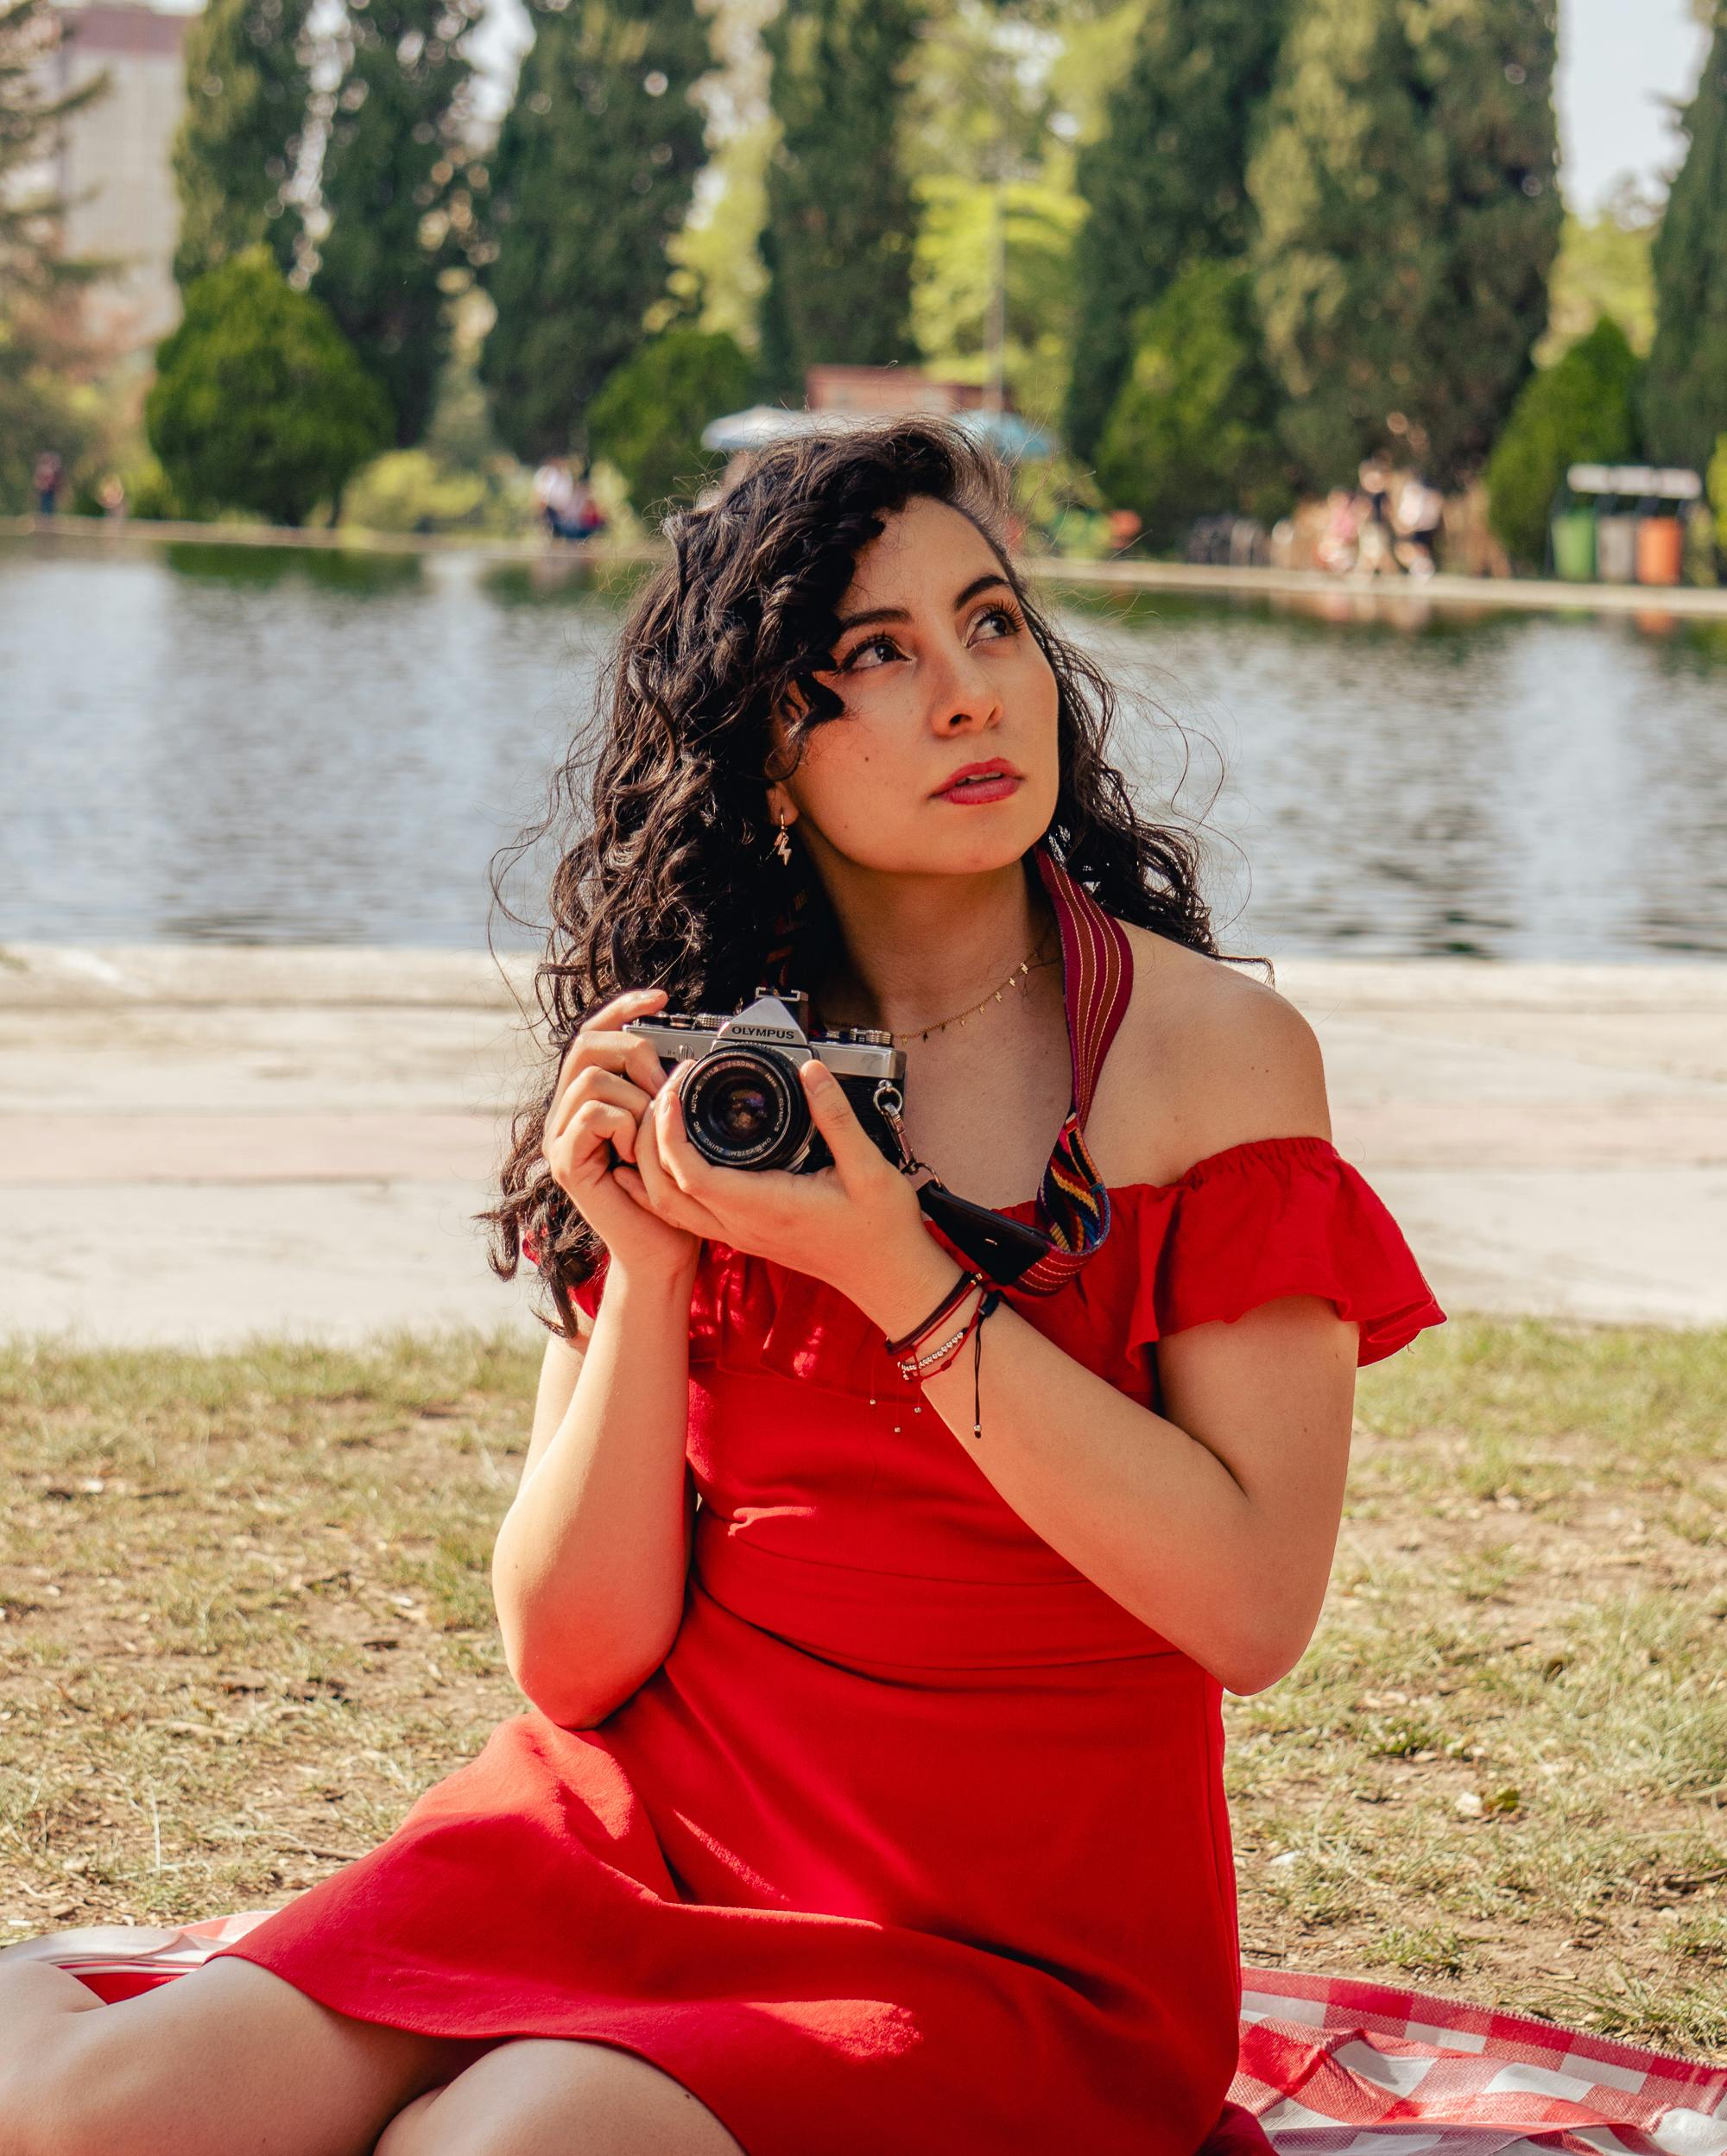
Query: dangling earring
pixel 782 845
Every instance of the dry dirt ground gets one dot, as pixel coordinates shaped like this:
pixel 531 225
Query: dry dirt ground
pixel 245 1619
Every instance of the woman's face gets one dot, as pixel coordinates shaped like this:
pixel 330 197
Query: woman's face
pixel 945 673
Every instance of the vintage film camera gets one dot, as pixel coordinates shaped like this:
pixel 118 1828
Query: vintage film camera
pixel 744 1106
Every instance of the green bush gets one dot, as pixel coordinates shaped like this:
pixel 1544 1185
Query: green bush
pixel 407 491
pixel 1581 410
pixel 648 415
pixel 259 402
pixel 1193 430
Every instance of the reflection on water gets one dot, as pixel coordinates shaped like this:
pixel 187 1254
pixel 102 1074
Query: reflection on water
pixel 234 744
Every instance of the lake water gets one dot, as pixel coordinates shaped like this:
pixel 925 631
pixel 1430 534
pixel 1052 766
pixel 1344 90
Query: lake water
pixel 234 745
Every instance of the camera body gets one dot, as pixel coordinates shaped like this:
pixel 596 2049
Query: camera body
pixel 744 1106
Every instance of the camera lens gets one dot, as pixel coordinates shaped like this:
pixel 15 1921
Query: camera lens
pixel 743 1108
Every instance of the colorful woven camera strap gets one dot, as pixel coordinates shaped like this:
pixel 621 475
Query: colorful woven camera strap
pixel 1072 1210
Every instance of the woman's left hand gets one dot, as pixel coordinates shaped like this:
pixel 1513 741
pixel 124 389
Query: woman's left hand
pixel 856 1226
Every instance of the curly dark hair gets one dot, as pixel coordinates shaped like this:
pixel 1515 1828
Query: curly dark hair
pixel 669 880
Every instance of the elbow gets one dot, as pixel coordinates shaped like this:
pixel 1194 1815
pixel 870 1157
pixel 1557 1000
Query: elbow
pixel 577 1689
pixel 1257 1664
pixel 578 1706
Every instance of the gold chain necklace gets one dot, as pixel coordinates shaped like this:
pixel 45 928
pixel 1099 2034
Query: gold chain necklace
pixel 900 1040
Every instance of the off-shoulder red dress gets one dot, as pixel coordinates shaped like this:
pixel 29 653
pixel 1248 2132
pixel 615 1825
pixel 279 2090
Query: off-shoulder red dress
pixel 916 1842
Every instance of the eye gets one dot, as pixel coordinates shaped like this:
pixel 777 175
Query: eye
pixel 868 644
pixel 998 611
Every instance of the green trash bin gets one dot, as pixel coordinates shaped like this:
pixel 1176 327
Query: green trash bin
pixel 1574 545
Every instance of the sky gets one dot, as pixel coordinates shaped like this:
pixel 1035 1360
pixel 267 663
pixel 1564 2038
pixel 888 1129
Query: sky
pixel 1618 59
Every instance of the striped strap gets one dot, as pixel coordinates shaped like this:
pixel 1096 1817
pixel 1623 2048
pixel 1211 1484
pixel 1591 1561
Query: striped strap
pixel 1097 982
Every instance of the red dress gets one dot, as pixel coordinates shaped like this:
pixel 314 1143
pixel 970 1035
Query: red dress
pixel 916 1841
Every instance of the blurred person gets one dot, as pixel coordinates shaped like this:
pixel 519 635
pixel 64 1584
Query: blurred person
pixel 583 518
pixel 1125 526
pixel 1375 555
pixel 1337 542
pixel 554 491
pixel 111 494
pixel 46 479
pixel 1417 519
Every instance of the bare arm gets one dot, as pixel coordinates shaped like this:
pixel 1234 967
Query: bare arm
pixel 589 1568
pixel 1215 1522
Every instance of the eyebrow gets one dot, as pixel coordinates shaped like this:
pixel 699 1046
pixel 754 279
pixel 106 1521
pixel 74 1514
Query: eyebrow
pixel 899 613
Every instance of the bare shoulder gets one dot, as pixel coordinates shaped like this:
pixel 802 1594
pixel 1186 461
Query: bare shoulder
pixel 1207 1056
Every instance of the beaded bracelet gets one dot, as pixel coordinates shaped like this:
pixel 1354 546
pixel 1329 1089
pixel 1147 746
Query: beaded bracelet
pixel 938 1358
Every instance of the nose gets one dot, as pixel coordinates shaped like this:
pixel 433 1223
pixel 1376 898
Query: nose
pixel 965 698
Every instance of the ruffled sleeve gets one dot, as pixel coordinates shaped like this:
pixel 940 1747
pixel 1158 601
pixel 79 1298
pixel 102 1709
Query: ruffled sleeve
pixel 1281 1217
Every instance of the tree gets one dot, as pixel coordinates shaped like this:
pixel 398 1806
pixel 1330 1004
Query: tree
pixel 1165 184
pixel 1194 430
pixel 1603 269
pixel 259 402
pixel 397 188
pixel 42 343
pixel 1685 389
pixel 647 417
pixel 840 225
pixel 592 178
pixel 1409 214
pixel 951 284
pixel 248 92
pixel 1580 410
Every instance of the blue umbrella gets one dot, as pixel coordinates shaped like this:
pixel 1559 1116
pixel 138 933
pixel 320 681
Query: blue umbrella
pixel 1008 433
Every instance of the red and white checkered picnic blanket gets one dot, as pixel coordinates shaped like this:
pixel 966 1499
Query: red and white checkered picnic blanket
pixel 1327 2064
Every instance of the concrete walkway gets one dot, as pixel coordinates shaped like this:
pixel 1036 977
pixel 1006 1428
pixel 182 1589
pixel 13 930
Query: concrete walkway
pixel 200 1142
pixel 1337 598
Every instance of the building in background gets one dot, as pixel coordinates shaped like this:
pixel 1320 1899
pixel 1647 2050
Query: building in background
pixel 114 171
pixel 842 388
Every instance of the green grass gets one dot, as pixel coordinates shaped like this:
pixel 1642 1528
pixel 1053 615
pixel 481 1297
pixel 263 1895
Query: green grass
pixel 1500 1771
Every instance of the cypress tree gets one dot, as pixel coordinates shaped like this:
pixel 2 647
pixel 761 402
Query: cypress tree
pixel 1166 182
pixel 592 178
pixel 841 223
pixel 1684 387
pixel 395 185
pixel 1409 212
pixel 248 88
pixel 43 346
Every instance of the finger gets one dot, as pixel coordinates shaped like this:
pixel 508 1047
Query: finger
pixel 855 1153
pixel 625 1055
pixel 662 1193
pixel 629 1002
pixel 582 1151
pixel 594 1083
pixel 689 1170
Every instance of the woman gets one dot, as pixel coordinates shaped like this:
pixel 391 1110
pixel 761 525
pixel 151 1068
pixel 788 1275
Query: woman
pixel 876 1805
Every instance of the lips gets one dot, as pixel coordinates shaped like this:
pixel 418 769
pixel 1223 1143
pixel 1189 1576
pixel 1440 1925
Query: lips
pixel 977 779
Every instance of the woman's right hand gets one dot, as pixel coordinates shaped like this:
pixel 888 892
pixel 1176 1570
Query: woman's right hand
pixel 606 1085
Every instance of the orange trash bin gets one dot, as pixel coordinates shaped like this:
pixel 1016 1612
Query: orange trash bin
pixel 1660 549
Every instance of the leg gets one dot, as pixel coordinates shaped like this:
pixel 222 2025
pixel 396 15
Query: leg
pixel 552 2097
pixel 226 2057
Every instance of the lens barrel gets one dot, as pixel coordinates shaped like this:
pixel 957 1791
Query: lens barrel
pixel 743 1108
